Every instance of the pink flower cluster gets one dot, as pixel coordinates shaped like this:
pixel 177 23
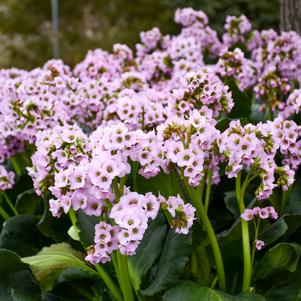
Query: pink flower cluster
pixel 254 147
pixel 182 215
pixel 234 64
pixel 6 179
pixel 259 214
pixel 190 145
pixel 272 91
pixel 262 213
pixel 236 30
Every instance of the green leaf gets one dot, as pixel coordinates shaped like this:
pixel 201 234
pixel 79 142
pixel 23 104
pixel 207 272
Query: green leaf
pixel 273 232
pixel 20 234
pixel 281 285
pixel 50 264
pixel 283 257
pixel 148 251
pixel 256 114
pixel 172 261
pixel 294 199
pixel 223 123
pixel 231 202
pixel 86 225
pixel 191 291
pixel 165 184
pixel 55 228
pixel 10 262
pixel 242 103
pixel 73 232
pixel 19 295
pixel 22 282
pixel 28 201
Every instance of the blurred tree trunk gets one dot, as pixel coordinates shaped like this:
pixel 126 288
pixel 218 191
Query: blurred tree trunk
pixel 290 15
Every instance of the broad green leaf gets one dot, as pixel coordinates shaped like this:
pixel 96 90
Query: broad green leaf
pixel 281 285
pixel 10 262
pixel 223 123
pixel 22 282
pixel 242 103
pixel 293 222
pixel 54 228
pixel 20 234
pixel 172 261
pixel 256 114
pixel 19 295
pixel 294 199
pixel 148 251
pixel 165 184
pixel 283 257
pixel 28 202
pixel 231 202
pixel 49 264
pixel 86 225
pixel 191 291
pixel 273 232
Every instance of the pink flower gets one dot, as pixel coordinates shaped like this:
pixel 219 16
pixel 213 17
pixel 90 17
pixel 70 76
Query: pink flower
pixel 259 244
pixel 77 178
pixel 247 215
pixel 264 213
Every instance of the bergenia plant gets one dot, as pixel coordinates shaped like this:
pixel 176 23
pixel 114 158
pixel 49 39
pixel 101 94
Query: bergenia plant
pixel 169 172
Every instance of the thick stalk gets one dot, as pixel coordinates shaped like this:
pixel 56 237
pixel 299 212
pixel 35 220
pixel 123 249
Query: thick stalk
pixel 256 227
pixel 108 282
pixel 284 199
pixel 247 273
pixel 200 189
pixel 16 166
pixel 208 190
pixel 123 270
pixel 4 214
pixel 211 234
pixel 8 201
pixel 125 282
pixel 100 270
pixel 194 263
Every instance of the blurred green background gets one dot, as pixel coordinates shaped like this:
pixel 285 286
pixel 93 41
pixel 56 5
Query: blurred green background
pixel 25 25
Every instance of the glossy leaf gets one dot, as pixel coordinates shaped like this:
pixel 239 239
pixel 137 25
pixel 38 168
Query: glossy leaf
pixel 20 234
pixel 242 103
pixel 273 232
pixel 194 292
pixel 283 257
pixel 148 251
pixel 10 262
pixel 172 261
pixel 86 225
pixel 52 262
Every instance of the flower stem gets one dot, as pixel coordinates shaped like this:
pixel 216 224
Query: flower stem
pixel 100 270
pixel 208 190
pixel 4 214
pixel 210 232
pixel 247 274
pixel 284 199
pixel 194 263
pixel 125 282
pixel 122 265
pixel 16 166
pixel 8 201
pixel 108 282
pixel 256 226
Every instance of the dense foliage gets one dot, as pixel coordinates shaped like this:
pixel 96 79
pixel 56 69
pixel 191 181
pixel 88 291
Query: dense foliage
pixel 168 173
